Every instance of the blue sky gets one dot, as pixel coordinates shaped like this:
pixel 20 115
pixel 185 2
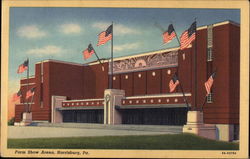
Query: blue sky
pixel 63 33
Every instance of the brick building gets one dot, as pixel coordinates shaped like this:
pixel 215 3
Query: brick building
pixel 144 79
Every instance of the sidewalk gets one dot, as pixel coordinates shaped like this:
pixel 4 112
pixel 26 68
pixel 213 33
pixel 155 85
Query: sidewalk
pixel 86 130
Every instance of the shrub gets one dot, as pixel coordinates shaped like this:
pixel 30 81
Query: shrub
pixel 11 121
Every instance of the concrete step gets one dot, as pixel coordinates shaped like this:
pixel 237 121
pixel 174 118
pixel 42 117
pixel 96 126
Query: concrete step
pixel 153 128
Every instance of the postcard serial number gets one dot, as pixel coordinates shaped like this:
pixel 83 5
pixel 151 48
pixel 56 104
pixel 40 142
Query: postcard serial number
pixel 228 153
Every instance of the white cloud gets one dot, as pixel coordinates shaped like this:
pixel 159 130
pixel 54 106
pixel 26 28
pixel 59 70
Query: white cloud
pixel 128 46
pixel 46 50
pixel 119 29
pixel 70 28
pixel 31 32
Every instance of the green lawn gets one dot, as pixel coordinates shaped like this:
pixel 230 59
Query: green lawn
pixel 157 142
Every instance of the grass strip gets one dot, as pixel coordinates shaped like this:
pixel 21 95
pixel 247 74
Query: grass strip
pixel 155 142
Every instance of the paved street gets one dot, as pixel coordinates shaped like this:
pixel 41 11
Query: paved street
pixel 81 130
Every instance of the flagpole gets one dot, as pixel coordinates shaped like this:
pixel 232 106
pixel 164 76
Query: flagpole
pixel 111 77
pixel 32 98
pixel 177 38
pixel 98 58
pixel 185 99
pixel 195 68
pixel 204 103
pixel 27 104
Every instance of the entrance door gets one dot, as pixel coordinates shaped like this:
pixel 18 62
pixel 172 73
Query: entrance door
pixel 155 116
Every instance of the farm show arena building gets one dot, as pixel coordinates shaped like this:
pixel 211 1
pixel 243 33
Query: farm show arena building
pixel 70 92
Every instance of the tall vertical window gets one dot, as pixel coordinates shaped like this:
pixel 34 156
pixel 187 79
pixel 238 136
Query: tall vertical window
pixel 209 54
pixel 210 98
pixel 209 58
pixel 210 43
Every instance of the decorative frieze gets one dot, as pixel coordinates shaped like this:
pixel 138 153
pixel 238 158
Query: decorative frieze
pixel 155 61
pixel 82 103
pixel 159 100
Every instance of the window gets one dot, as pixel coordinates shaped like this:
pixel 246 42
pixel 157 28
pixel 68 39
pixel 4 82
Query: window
pixel 210 98
pixel 209 54
pixel 236 132
pixel 210 43
pixel 183 56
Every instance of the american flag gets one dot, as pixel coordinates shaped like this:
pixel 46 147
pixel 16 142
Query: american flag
pixel 169 34
pixel 188 36
pixel 30 93
pixel 173 83
pixel 209 83
pixel 23 67
pixel 16 96
pixel 87 53
pixel 105 36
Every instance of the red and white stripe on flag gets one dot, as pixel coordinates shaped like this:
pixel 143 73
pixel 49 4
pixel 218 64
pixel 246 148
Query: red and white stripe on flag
pixel 185 40
pixel 16 97
pixel 168 38
pixel 22 68
pixel 173 85
pixel 87 54
pixel 102 39
pixel 208 84
pixel 30 93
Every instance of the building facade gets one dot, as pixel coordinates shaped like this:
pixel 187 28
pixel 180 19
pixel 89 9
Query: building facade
pixel 144 79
